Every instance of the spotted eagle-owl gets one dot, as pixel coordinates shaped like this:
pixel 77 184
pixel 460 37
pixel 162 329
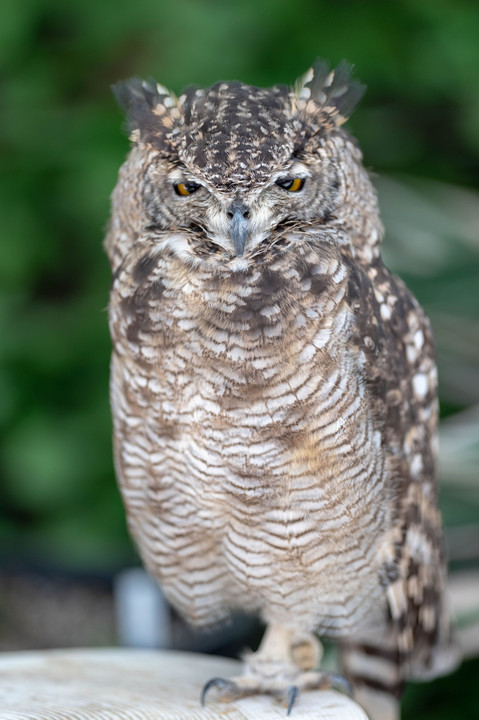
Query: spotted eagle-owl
pixel 274 386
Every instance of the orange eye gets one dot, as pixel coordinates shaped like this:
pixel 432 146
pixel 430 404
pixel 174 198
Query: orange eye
pixel 290 184
pixel 187 188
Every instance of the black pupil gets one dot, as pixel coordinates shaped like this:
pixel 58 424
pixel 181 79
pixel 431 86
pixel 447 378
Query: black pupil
pixel 285 183
pixel 190 186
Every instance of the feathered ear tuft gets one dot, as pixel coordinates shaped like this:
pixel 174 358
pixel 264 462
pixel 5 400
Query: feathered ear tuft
pixel 152 112
pixel 333 92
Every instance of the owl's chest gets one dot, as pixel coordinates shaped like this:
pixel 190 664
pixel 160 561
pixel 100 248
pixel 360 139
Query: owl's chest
pixel 241 421
pixel 248 374
pixel 237 338
pixel 243 390
pixel 239 357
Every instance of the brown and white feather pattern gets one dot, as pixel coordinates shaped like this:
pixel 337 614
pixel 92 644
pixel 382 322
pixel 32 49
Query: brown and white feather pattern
pixel 266 452
pixel 275 413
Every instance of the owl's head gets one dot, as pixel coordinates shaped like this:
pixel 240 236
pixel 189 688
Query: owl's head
pixel 229 173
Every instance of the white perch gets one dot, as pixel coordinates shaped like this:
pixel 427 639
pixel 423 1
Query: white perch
pixel 125 684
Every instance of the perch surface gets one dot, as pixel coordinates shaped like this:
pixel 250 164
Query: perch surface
pixel 123 684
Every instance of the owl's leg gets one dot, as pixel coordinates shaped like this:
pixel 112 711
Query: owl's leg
pixel 283 665
pixel 376 675
pixel 283 652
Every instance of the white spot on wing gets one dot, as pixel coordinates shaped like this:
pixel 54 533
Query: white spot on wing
pixel 416 466
pixel 419 339
pixel 385 312
pixel 420 385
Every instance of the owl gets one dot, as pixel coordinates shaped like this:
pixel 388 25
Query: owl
pixel 273 388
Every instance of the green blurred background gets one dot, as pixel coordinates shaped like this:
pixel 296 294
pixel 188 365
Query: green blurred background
pixel 62 143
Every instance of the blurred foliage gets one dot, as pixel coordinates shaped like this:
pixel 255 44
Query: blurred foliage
pixel 62 144
pixel 61 147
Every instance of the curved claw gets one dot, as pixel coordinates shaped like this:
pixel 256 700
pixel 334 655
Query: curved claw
pixel 216 682
pixel 293 693
pixel 339 682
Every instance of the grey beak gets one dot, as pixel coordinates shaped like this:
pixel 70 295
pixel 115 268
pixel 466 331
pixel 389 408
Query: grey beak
pixel 239 231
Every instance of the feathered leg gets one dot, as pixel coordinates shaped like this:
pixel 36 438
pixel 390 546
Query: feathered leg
pixel 285 663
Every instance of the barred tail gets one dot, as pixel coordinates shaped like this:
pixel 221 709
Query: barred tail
pixel 376 672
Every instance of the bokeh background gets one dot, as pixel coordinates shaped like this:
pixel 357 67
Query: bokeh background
pixel 62 528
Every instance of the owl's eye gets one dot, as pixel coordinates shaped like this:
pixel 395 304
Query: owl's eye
pixel 187 188
pixel 290 184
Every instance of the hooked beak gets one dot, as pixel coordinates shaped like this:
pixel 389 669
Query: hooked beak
pixel 239 229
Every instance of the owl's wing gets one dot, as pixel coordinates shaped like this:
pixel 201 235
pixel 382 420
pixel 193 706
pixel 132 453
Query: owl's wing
pixel 395 336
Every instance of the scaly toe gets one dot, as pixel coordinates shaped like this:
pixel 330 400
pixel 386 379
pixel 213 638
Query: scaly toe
pixel 322 680
pixel 281 686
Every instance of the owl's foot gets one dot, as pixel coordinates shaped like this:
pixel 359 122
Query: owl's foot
pixel 233 688
pixel 282 686
pixel 283 666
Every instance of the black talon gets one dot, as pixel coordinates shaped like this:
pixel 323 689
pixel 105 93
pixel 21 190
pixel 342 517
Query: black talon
pixel 293 693
pixel 339 682
pixel 214 682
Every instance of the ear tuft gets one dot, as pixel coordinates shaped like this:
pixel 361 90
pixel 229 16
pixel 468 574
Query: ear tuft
pixel 152 111
pixel 135 93
pixel 332 91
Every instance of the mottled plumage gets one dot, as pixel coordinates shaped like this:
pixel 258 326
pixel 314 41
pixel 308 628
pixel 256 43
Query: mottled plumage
pixel 274 386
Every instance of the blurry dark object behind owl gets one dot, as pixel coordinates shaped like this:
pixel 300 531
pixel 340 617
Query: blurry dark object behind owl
pixel 274 386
